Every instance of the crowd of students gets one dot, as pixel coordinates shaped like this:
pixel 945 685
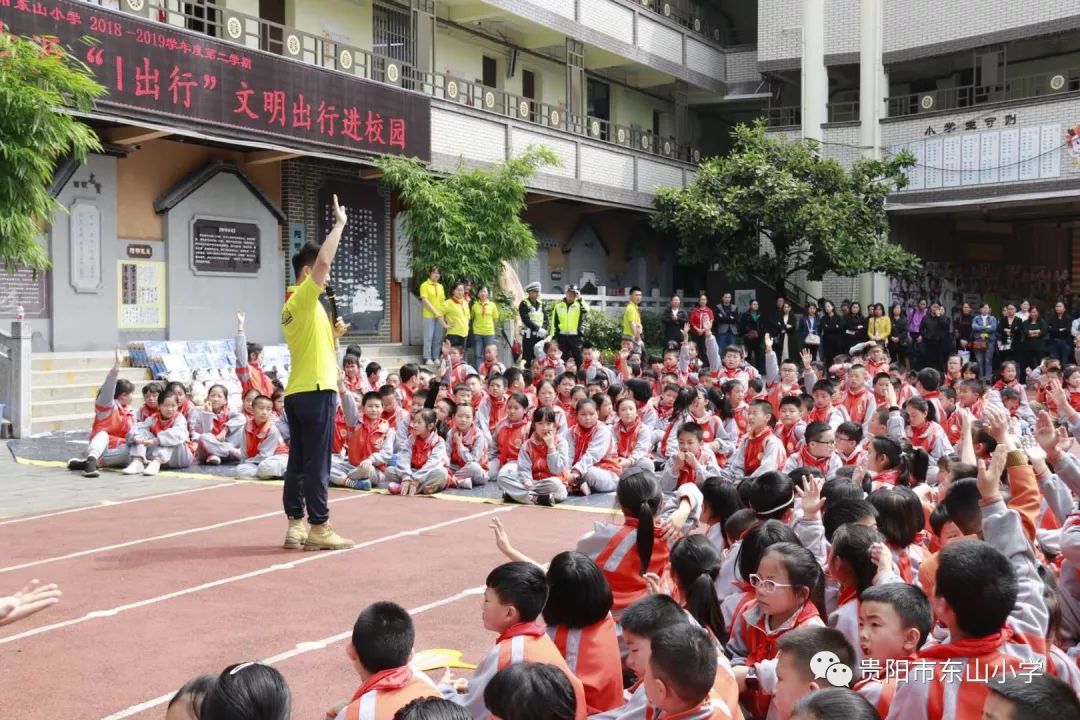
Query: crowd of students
pixel 919 526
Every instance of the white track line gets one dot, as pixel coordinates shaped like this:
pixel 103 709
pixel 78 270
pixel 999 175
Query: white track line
pixel 299 649
pixel 113 503
pixel 309 557
pixel 155 538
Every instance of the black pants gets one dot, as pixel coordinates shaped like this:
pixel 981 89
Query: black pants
pixel 311 438
pixel 529 341
pixel 570 346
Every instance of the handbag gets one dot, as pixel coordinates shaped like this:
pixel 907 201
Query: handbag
pixel 979 345
pixel 812 339
pixel 751 334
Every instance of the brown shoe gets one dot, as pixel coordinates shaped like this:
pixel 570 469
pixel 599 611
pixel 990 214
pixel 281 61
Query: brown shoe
pixel 323 537
pixel 297 534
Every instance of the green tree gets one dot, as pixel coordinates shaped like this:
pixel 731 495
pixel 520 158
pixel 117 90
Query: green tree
pixel 817 216
pixel 37 89
pixel 468 222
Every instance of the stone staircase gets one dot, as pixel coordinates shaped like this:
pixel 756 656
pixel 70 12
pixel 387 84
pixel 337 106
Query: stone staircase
pixel 63 385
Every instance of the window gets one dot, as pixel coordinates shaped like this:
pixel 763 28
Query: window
pixel 490 78
pixel 598 103
pixel 202 17
pixel 528 90
pixel 392 33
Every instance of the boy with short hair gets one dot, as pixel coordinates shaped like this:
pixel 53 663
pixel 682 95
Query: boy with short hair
pixel 150 392
pixel 824 410
pixel 514 596
pixel 894 621
pixel 760 451
pixel 1030 696
pixel 818 452
pixel 380 650
pixel 369 447
pixel 262 454
pixel 796 677
pixel 857 399
pixel 849 443
pixel 680 675
pixel 732 367
pixel 492 407
pixel 928 387
pixel 791 429
pixel 694 462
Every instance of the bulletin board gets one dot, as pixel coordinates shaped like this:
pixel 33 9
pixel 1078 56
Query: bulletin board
pixel 140 294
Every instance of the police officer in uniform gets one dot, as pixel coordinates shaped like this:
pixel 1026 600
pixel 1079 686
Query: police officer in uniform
pixel 534 322
pixel 566 319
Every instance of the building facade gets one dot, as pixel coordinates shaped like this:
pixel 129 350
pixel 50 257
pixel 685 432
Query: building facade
pixel 229 124
pixel 986 95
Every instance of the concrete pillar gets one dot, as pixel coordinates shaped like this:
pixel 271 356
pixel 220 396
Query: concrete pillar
pixel 873 106
pixel 815 79
pixel 20 365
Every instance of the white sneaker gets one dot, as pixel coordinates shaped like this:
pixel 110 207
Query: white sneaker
pixel 153 468
pixel 134 468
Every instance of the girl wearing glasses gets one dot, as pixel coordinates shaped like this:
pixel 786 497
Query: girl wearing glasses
pixel 789 590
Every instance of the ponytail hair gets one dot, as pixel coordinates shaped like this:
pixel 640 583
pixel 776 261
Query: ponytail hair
pixel 695 564
pixel 639 495
pixel 924 407
pixel 803 572
pixel 898 459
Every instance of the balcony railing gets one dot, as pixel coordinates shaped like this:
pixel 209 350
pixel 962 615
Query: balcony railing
pixel 844 111
pixel 700 20
pixel 1019 88
pixel 255 32
pixel 783 116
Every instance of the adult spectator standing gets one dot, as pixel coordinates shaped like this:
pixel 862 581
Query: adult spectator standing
pixel 566 318
pixel 832 333
pixel 485 316
pixel 963 329
pixel 936 338
pixel 983 340
pixel 455 317
pixel 631 318
pixel 751 327
pixel 810 331
pixel 1060 327
pixel 1009 339
pixel 727 322
pixel 855 328
pixel 899 338
pixel 878 325
pixel 1034 330
pixel 914 326
pixel 674 322
pixel 534 322
pixel 311 395
pixel 786 333
pixel 701 325
pixel 432 295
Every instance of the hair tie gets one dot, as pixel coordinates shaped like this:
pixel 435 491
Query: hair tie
pixel 778 507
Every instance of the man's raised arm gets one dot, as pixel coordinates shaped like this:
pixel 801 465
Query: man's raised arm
pixel 321 272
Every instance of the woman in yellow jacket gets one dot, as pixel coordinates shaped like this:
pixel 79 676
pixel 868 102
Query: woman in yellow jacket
pixel 455 316
pixel 879 327
pixel 485 316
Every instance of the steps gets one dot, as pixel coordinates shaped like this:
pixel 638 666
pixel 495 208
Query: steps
pixel 63 385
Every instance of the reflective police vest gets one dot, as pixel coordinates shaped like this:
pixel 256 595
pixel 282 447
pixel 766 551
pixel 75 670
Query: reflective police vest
pixel 535 313
pixel 566 320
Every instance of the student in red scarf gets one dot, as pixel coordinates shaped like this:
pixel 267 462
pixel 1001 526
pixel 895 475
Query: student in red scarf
pixel 492 407
pixel 468 448
pixel 161 441
pixel 632 437
pixel 593 452
pixel 248 356
pixel 693 462
pixel 380 650
pixel 370 444
pixel 922 432
pixel 818 453
pixel 927 386
pixel 509 435
pixel 894 622
pixel 969 396
pixel 760 451
pixel 791 429
pixel 887 463
pixel 422 460
pixel 263 454
pixel 857 398
pixel 824 410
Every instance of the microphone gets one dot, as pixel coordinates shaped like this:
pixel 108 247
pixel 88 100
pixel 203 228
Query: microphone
pixel 332 299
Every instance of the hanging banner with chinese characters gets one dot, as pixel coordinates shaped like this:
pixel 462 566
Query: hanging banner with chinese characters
pixel 158 72
pixel 983 151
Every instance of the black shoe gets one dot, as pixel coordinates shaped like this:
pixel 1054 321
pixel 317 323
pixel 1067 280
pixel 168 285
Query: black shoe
pixel 90 468
pixel 76 464
pixel 508 499
pixel 544 500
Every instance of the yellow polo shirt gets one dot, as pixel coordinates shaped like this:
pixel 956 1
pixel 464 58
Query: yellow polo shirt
pixel 456 315
pixel 484 317
pixel 307 329
pixel 432 292
pixel 631 316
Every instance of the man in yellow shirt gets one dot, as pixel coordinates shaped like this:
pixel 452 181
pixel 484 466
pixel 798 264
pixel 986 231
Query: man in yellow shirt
pixel 566 318
pixel 311 395
pixel 631 319
pixel 432 296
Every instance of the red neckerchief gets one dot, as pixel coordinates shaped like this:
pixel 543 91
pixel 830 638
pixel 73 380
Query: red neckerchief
pixel 787 436
pixel 856 403
pixel 874 369
pixel 528 629
pixel 688 474
pixel 903 563
pixel 755 450
pixel 627 437
pixel 160 425
pixel 392 679
pixel 509 437
pixel 467 440
pixel 741 419
pixel 820 414
pixel 931 395
pixel 582 438
pixel 217 424
pixel 352 384
pixel 968 647
pixel 707 425
pixel 808 460
pixel 538 454
pixel 888 477
pixel 421 449
pixel 923 436
pixel 496 410
pixel 846 595
pixel 475 401
pixel 254 434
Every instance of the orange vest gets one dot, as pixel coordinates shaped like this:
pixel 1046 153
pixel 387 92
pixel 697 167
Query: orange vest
pixel 592 653
pixel 538 454
pixel 254 436
pixel 508 440
pixel 367 440
pixel 583 437
pixel 256 379
pixel 382 703
pixel 117 424
pixel 621 566
pixel 526 642
pixel 160 425
pixel 467 440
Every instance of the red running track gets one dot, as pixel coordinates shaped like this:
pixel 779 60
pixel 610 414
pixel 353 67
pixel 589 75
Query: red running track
pixel 160 590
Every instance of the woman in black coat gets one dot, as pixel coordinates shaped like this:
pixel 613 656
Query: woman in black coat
pixel 855 327
pixel 832 334
pixel 751 328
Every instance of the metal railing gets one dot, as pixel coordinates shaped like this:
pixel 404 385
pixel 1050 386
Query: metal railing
pixel 700 20
pixel 1055 82
pixel 614 304
pixel 783 116
pixel 323 51
pixel 843 111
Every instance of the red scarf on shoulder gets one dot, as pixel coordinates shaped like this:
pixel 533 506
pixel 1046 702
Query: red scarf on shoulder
pixel 528 629
pixel 392 679
pixel 808 460
pixel 968 647
pixel 755 450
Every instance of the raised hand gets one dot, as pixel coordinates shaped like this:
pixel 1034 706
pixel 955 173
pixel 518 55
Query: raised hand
pixel 811 497
pixel 768 342
pixel 240 320
pixel 34 597
pixel 989 481
pixel 807 358
pixel 119 355
pixel 339 213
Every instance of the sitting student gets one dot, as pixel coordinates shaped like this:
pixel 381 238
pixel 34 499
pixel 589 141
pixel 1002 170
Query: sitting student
pixel 923 432
pixel 492 407
pixel 1029 696
pixel 692 463
pixel 515 594
pixel 380 651
pixel 989 597
pixel 680 675
pixel 857 398
pixel 490 364
pixel 760 451
pixel 969 396
pixel 788 586
pixel 530 691
pixel 593 452
pixel 113 420
pixel 859 560
pixel 248 690
pixel 370 444
pixel 508 437
pixel 824 410
pixel 888 463
pixel 795 673
pixel 262 454
pixel 374 378
pixel 543 464
pixel 849 443
pixel 834 702
pixel 695 567
pixel 458 370
pixel 894 622
pixel 432 709
pixel 186 704
pixel 719 502
pixel 421 465
pixel 222 427
pixel 351 377
pixel 818 453
pixel 927 386
pixel 900 518
pixel 783 381
pixel 150 392
pixel 468 448
pixel 756 540
pixel 633 438
pixel 791 429
pixel 280 421
pixel 161 441
pixel 248 362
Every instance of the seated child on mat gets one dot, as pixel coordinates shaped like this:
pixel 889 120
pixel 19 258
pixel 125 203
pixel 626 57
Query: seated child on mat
pixel 113 420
